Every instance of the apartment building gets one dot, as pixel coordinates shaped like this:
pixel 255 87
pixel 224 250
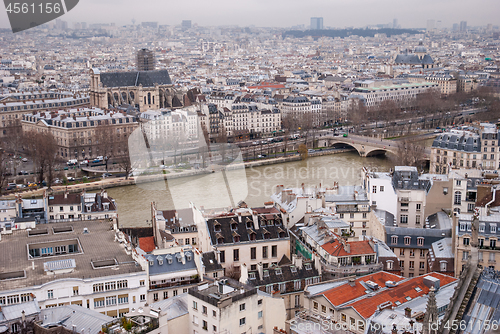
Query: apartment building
pixel 177 224
pixel 171 271
pixel 14 106
pixel 227 306
pixel 82 264
pixel 485 219
pixel 455 149
pixel 83 133
pixel 288 280
pixel 84 206
pixel 466 149
pixel 403 193
pixel 164 126
pixel 411 245
pixel 339 256
pixel 246 236
pixel 374 92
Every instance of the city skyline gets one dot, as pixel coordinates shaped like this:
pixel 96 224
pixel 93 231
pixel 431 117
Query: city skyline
pixel 291 13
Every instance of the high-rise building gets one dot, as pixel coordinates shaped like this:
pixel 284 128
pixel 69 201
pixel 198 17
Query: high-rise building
pixel 395 24
pixel 316 23
pixel 145 60
pixel 186 24
pixel 463 26
pixel 455 26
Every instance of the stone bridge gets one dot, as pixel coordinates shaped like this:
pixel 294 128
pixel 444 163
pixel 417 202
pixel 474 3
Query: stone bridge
pixel 365 146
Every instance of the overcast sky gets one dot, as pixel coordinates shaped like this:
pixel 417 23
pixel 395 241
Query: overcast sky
pixel 284 13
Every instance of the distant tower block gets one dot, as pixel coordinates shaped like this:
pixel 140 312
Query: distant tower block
pixel 145 60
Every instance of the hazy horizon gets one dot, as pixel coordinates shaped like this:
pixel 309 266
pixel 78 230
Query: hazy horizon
pixel 281 13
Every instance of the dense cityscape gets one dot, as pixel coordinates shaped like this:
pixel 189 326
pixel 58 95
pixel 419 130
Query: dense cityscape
pixel 224 179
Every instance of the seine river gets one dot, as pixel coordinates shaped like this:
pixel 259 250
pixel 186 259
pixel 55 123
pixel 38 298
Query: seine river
pixel 253 185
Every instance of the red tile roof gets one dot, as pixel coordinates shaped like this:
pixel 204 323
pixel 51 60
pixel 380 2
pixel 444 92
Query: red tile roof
pixel 366 307
pixel 335 248
pixel 147 244
pixel 345 293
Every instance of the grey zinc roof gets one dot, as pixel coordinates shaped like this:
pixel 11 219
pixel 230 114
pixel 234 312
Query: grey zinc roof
pixel 174 307
pixel 443 248
pixel 81 317
pixel 166 267
pixel 466 142
pixel 13 312
pixel 136 78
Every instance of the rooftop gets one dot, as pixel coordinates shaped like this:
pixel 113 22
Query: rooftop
pixel 97 244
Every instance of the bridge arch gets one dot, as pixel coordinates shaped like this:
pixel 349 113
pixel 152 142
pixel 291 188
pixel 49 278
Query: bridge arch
pixel 377 151
pixel 345 145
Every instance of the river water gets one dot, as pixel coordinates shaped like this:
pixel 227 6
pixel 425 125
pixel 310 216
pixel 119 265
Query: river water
pixel 253 185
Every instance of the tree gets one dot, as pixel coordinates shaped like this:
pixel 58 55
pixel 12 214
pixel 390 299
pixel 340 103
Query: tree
pixel 42 147
pixel 126 164
pixel 303 151
pixel 409 154
pixel 3 169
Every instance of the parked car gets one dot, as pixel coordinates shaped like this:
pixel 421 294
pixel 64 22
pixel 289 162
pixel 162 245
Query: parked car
pixel 25 160
pixel 72 162
pixel 57 181
pixel 70 178
pixel 23 172
pixel 107 175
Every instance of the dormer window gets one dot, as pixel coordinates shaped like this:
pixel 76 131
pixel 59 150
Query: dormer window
pixel 253 235
pixel 293 269
pixel 251 275
pixel 188 256
pixel 179 257
pixel 308 266
pixel 216 226
pixel 236 238
pixel 249 224
pixel 151 262
pixel 234 226
pixel 266 273
pixel 169 259
pixel 278 271
pixel 267 234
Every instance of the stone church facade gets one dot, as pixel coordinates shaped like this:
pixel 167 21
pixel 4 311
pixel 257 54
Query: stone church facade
pixel 142 90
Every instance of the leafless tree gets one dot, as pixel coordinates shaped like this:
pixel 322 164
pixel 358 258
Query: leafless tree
pixel 42 147
pixel 3 169
pixel 409 154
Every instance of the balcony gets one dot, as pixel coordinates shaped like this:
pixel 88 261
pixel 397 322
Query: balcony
pixel 175 284
pixel 352 269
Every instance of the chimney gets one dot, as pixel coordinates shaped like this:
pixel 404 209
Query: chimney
pixel 183 257
pixel 239 217
pixel 23 316
pixel 408 312
pixel 243 274
pixel 352 282
pixel 260 269
pixel 347 247
pixel 66 194
pixel 394 329
pixel 297 261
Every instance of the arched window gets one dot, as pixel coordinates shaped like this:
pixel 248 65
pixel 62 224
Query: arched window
pixel 149 98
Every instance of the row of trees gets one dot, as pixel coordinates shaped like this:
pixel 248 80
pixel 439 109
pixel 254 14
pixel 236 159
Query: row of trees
pixel 43 149
pixel 429 103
